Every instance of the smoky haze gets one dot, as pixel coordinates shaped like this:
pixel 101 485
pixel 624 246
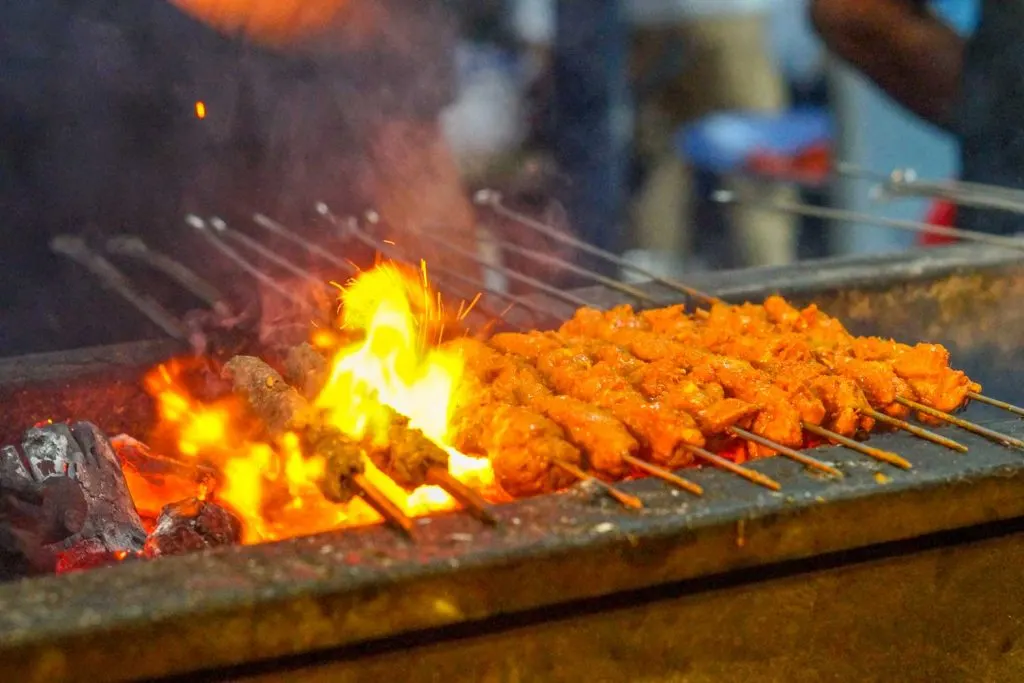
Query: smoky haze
pixel 100 136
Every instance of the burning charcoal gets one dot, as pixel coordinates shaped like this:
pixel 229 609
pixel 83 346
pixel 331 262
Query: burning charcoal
pixel 63 492
pixel 185 477
pixel 12 468
pixel 89 554
pixel 306 369
pixel 192 525
pixel 36 517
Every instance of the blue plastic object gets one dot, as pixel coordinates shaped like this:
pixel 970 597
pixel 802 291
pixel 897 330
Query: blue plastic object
pixel 963 15
pixel 721 142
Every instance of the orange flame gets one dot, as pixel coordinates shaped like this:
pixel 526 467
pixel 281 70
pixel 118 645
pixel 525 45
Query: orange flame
pixel 394 368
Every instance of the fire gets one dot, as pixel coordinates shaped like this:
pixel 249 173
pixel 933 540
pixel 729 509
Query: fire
pixel 392 367
pixel 396 367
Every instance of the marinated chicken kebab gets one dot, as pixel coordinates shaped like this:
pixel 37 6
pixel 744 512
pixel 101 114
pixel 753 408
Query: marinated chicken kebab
pixel 653 384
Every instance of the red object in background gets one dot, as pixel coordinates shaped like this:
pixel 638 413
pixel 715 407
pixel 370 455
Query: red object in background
pixel 811 165
pixel 944 214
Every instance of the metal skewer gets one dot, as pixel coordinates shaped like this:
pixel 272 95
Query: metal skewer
pixel 249 243
pixel 492 199
pixel 876 453
pixel 1008 407
pixel 664 475
pixel 384 506
pixel 77 250
pixel 905 183
pixel 909 175
pixel 243 263
pixel 312 247
pixel 571 267
pixel 914 429
pixel 133 247
pixel 553 292
pixel 622 498
pixel 787 452
pixel 470 499
pixel 842 215
pixel 351 228
pixel 998 437
pixel 729 466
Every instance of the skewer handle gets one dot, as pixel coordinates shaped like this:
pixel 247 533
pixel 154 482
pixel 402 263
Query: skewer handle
pixel 998 437
pixel 624 499
pixel 664 475
pixel 915 430
pixel 787 452
pixel 750 475
pixel 387 509
pixel 470 499
pixel 876 453
pixel 987 400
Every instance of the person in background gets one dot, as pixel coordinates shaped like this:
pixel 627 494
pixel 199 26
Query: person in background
pixel 124 117
pixel 972 87
pixel 727 64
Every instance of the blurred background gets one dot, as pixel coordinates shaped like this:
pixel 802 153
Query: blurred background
pixel 645 108
pixel 623 122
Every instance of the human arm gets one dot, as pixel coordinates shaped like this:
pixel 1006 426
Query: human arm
pixel 901 46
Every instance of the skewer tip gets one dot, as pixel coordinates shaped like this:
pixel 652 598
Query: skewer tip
pixel 992 434
pixel 723 196
pixel 750 475
pixel 624 499
pixel 664 475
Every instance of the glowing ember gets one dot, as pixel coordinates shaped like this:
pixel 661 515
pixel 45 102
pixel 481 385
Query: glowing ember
pixel 394 368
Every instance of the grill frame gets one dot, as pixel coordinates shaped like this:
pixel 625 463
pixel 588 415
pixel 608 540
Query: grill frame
pixel 237 605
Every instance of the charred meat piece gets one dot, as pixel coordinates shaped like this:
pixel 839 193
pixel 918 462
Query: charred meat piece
pixel 408 455
pixel 283 410
pixel 278 405
pixel 306 369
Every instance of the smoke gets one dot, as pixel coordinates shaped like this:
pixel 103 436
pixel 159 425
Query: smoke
pixel 98 108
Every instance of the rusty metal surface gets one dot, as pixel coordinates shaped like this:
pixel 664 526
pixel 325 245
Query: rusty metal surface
pixel 180 615
pixel 945 610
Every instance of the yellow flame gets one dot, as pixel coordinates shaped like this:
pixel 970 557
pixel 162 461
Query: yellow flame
pixel 392 367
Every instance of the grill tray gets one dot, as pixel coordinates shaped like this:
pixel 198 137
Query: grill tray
pixel 239 605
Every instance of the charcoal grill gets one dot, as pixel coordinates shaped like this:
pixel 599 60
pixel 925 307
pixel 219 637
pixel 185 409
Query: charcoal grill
pixel 884 575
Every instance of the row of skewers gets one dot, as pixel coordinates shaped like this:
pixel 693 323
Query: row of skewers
pixel 614 394
pixel 765 379
pixel 659 390
pixel 408 457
